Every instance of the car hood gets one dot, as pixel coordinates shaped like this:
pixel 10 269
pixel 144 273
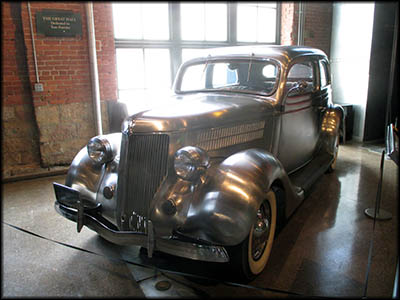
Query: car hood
pixel 199 110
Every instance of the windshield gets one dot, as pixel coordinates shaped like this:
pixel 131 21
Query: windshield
pixel 245 76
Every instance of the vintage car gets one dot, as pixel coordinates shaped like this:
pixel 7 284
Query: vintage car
pixel 215 170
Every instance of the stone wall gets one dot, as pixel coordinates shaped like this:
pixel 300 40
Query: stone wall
pixel 20 135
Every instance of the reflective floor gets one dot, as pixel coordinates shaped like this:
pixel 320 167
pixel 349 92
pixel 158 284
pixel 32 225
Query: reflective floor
pixel 322 251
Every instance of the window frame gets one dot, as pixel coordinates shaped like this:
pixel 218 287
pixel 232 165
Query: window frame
pixel 175 44
pixel 178 85
pixel 324 63
pixel 315 75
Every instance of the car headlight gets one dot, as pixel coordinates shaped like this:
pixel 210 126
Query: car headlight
pixel 100 150
pixel 190 162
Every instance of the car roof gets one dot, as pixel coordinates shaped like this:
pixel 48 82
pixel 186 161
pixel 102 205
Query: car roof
pixel 283 54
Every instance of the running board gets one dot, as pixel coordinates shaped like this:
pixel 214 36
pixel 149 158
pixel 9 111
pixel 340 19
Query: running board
pixel 305 177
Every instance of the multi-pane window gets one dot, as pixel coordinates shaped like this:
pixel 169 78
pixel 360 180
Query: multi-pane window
pixel 204 21
pixel 256 22
pixel 137 21
pixel 153 39
pixel 142 70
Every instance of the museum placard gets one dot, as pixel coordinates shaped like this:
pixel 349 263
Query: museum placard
pixel 62 23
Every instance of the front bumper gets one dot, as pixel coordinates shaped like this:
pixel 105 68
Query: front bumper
pixel 72 206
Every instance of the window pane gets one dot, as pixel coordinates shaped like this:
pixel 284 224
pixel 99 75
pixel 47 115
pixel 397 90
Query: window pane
pixel 216 22
pixel 267 4
pixel 194 78
pixel 127 20
pixel 130 68
pixel 200 21
pixel 266 25
pixel 157 68
pixel 301 72
pixel 141 21
pixel 239 76
pixel 192 21
pixel 142 72
pixel 269 71
pixel 223 76
pixel 324 78
pixel 155 21
pixel 256 22
pixel 246 23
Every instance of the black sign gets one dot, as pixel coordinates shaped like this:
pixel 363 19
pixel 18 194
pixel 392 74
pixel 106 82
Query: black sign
pixel 58 23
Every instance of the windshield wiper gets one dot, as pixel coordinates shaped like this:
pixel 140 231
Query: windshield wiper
pixel 248 71
pixel 205 67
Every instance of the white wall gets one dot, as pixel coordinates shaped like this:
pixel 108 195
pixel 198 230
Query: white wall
pixel 352 25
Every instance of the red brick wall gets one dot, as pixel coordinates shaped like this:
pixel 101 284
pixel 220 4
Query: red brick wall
pixel 63 63
pixel 63 113
pixel 317 24
pixel 103 25
pixel 289 22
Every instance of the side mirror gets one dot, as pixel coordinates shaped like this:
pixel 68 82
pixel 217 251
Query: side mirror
pixel 299 86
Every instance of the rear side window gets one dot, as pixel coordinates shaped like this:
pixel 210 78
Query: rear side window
pixel 301 72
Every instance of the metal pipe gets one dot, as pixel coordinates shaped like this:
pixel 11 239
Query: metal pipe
pixel 93 67
pixel 33 44
pixel 300 27
pixel 389 99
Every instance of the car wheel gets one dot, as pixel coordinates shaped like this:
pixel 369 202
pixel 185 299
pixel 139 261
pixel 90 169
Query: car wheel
pixel 249 258
pixel 332 166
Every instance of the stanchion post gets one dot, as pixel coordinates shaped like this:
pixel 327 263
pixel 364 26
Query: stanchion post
pixel 377 213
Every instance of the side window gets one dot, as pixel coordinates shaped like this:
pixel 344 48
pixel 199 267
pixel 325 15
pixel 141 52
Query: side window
pixel 324 73
pixel 301 72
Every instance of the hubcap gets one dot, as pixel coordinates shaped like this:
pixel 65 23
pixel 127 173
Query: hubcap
pixel 261 231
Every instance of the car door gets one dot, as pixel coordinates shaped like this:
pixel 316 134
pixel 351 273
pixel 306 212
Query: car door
pixel 300 117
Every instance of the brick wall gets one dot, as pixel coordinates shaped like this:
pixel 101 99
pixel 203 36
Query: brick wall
pixel 61 117
pixel 317 24
pixel 289 23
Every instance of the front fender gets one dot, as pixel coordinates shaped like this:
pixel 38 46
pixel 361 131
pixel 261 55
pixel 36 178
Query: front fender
pixel 85 175
pixel 226 208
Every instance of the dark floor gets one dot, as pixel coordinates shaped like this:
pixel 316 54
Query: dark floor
pixel 322 251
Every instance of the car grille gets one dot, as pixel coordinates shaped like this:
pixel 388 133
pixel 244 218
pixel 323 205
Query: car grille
pixel 146 167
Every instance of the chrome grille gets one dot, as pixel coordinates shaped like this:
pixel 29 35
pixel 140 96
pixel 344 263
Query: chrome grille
pixel 224 137
pixel 146 164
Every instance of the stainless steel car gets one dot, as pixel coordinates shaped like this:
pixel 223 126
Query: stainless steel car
pixel 212 172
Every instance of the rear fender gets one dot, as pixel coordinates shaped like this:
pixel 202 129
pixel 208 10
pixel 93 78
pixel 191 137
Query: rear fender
pixel 330 126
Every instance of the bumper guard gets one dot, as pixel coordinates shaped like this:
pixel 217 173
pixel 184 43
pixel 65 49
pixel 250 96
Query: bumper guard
pixel 72 206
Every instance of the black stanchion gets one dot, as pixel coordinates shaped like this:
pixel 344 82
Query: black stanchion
pixel 376 212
